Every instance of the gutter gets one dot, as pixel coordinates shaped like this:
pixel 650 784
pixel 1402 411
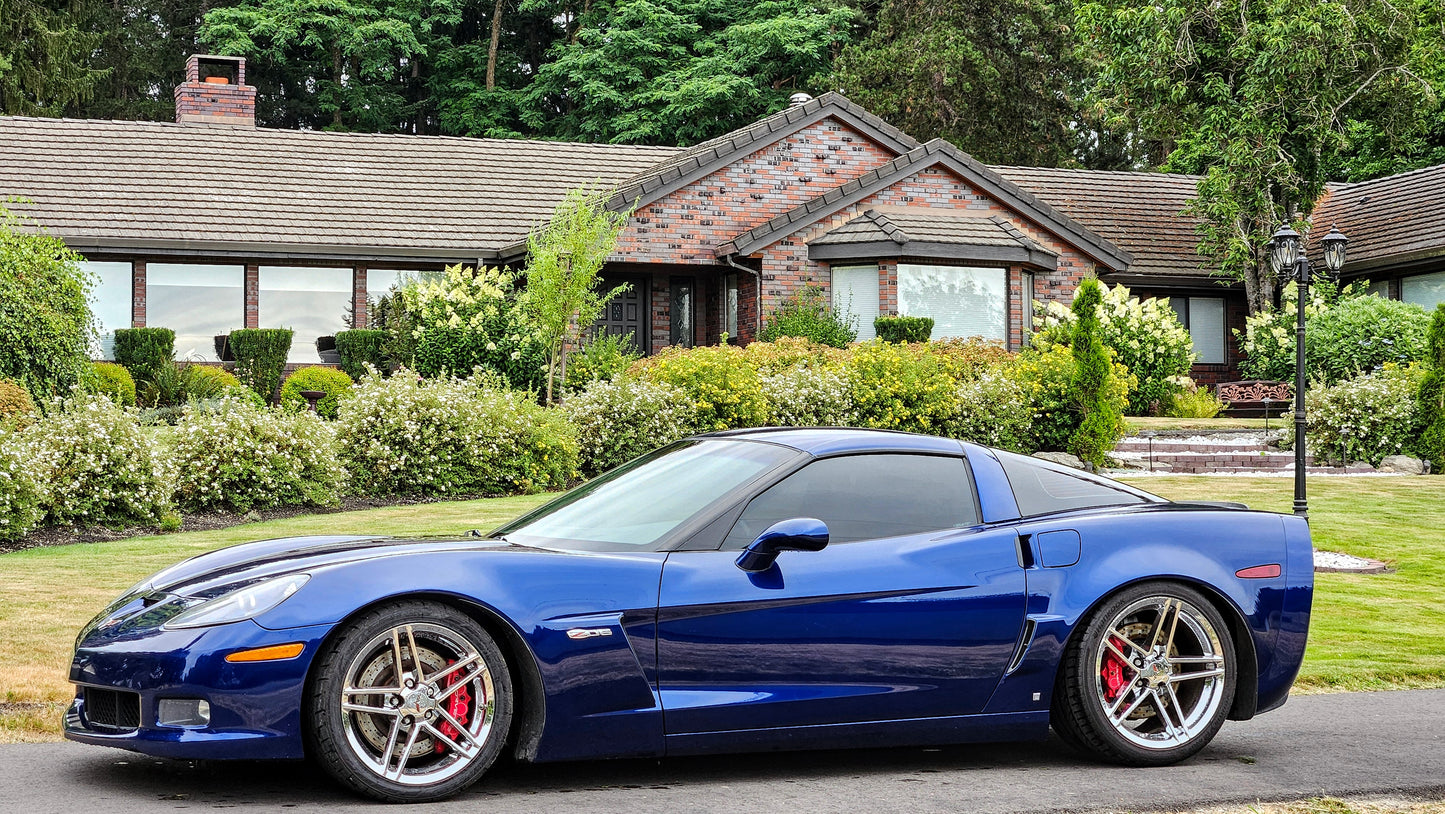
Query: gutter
pixel 758 275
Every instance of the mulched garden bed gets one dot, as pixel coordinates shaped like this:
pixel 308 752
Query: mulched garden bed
pixel 210 521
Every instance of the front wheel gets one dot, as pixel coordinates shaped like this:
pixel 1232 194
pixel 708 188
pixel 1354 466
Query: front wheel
pixel 411 702
pixel 1150 678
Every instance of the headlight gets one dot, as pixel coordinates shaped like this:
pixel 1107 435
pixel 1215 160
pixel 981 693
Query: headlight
pixel 248 602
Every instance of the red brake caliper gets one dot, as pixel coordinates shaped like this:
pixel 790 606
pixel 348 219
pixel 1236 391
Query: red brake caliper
pixel 1113 673
pixel 457 707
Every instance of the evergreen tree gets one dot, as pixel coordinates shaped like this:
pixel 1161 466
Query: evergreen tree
pixel 1095 387
pixel 44 58
pixel 1432 396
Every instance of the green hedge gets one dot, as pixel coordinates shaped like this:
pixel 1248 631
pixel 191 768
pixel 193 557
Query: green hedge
pixel 261 358
pixel 903 329
pixel 362 347
pixel 144 351
pixel 334 383
pixel 110 380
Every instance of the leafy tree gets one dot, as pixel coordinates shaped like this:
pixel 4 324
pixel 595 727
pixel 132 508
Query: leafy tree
pixel 43 58
pixel 45 325
pixel 1432 395
pixel 682 71
pixel 995 78
pixel 1251 95
pixel 563 259
pixel 1093 385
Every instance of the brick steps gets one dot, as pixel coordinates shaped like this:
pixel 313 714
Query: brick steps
pixel 1195 454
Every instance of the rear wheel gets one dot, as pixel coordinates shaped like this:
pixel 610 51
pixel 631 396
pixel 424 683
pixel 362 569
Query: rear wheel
pixel 1150 679
pixel 410 703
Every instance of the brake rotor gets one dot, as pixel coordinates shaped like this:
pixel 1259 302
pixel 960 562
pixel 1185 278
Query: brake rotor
pixel 381 672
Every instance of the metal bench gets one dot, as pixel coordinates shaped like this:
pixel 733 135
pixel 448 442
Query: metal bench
pixel 1255 398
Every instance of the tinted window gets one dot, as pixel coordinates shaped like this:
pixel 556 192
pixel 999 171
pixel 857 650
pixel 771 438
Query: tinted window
pixel 1040 489
pixel 864 497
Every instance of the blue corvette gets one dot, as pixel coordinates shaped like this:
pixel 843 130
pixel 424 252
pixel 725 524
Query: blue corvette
pixel 752 590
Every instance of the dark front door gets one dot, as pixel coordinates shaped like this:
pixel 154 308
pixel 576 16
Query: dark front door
pixel 626 313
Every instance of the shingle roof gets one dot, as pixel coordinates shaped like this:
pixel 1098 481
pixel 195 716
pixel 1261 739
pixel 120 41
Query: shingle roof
pixel 147 183
pixel 1141 211
pixel 1396 219
pixel 917 231
pixel 935 152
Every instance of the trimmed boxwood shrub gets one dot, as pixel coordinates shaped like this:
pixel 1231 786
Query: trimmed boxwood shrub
pixel 903 329
pixel 361 347
pixel 328 380
pixel 235 454
pixel 261 358
pixel 144 351
pixel 111 380
pixel 97 463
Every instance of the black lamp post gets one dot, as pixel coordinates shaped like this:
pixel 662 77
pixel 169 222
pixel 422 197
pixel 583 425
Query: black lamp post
pixel 1287 259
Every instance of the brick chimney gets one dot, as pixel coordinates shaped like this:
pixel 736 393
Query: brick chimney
pixel 215 92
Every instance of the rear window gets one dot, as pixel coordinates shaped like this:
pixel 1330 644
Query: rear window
pixel 1040 488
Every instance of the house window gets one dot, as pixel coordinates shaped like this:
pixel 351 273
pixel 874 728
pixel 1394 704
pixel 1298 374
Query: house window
pixel 312 302
pixel 110 302
pixel 855 296
pixel 680 327
pixel 379 282
pixel 1204 317
pixel 198 302
pixel 1026 281
pixel 1426 290
pixel 730 305
pixel 962 300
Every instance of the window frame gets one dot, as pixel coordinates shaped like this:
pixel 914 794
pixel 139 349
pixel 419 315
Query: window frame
pixel 1186 316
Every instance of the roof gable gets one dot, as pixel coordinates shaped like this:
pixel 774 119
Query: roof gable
pixel 915 231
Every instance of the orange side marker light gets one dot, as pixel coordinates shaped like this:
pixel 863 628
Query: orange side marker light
pixel 276 652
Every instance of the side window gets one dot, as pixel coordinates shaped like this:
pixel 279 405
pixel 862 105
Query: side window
pixel 1041 490
pixel 865 497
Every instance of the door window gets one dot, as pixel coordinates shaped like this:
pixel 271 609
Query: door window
pixel 864 497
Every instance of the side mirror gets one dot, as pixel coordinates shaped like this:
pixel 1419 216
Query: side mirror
pixel 797 534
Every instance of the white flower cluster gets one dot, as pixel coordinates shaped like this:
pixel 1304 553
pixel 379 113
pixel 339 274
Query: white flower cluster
pixel 993 409
pixel 97 463
pixel 407 435
pixel 1364 418
pixel 619 419
pixel 1268 340
pixel 234 454
pixel 21 496
pixel 465 297
pixel 810 396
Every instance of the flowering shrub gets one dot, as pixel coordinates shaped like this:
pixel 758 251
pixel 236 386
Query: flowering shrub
pixel 791 351
pixel 808 313
pixel 620 419
pixel 970 358
pixel 334 383
pixel 405 435
pixel 234 454
pixel 469 318
pixel 601 357
pixel 810 396
pixel 900 387
pixel 97 464
pixel 992 409
pixel 1146 337
pixel 21 497
pixel 1365 418
pixel 725 389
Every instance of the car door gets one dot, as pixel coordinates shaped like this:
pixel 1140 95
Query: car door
pixel 912 610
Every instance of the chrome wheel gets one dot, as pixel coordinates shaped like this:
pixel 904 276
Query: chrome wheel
pixel 1160 672
pixel 417 704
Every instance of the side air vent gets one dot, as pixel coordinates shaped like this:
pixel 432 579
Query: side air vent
pixel 1024 642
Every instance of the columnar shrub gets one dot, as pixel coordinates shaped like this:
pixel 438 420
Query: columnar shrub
pixel 807 313
pixel 810 396
pixel 261 358
pixel 620 419
pixel 992 409
pixel 1365 418
pixel 45 322
pixel 726 391
pixel 110 380
pixel 21 496
pixel 1102 421
pixel 97 463
pixel 1146 337
pixel 359 348
pixel 903 329
pixel 900 387
pixel 235 454
pixel 1431 397
pixel 334 383
pixel 407 435
pixel 145 351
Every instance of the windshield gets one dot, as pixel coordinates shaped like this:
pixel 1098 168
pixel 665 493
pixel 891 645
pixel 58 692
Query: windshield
pixel 641 503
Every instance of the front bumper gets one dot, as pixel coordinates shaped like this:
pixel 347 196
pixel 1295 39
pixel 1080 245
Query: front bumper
pixel 255 706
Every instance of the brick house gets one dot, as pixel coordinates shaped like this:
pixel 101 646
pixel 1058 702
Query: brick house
pixel 211 224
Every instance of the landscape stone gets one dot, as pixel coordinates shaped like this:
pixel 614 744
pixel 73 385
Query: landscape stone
pixel 1403 464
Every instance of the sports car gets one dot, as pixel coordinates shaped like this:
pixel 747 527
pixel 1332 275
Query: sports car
pixel 750 590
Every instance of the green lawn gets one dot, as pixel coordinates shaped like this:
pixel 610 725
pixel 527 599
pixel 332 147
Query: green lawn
pixel 1138 424
pixel 1369 632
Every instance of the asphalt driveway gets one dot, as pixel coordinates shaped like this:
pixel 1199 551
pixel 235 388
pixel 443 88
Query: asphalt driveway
pixel 1345 744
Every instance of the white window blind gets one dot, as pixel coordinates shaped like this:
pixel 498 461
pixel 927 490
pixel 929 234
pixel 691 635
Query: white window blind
pixel 1206 328
pixel 855 293
pixel 963 301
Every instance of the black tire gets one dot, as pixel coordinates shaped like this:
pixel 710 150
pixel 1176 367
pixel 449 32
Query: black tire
pixel 1152 694
pixel 455 719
